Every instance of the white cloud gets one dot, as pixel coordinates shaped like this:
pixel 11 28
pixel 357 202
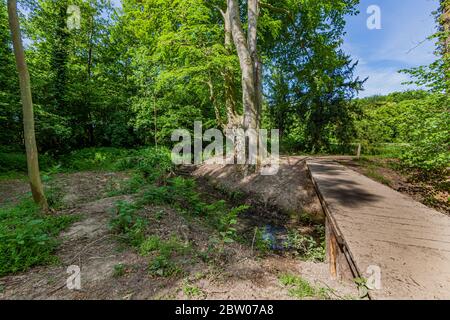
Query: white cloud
pixel 383 81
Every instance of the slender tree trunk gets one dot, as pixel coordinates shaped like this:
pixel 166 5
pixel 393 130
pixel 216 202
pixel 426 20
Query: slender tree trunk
pixel 213 99
pixel 234 120
pixel 27 103
pixel 252 35
pixel 445 25
pixel 88 97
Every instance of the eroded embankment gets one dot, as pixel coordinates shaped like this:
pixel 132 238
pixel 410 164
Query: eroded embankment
pixel 290 190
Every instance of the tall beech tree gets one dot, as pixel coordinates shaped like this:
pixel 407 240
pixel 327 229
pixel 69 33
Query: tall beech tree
pixel 247 51
pixel 27 102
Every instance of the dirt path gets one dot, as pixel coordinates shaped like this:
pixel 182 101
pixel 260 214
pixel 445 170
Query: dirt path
pixel 112 270
pixel 12 190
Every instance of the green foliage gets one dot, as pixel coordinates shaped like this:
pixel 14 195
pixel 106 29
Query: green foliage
pixel 372 173
pixel 436 76
pixel 152 163
pixel 178 50
pixel 119 270
pixel 130 186
pixel 79 77
pixel 191 291
pixel 28 237
pixel 163 251
pixel 311 79
pixel 430 145
pixel 162 266
pixel 93 159
pixel 300 288
pixel 10 108
pixel 168 247
pixel 182 194
pixel 127 224
pixel 224 219
pixel 307 247
pixel 179 192
pixel 261 243
pixel 394 119
pixel 15 161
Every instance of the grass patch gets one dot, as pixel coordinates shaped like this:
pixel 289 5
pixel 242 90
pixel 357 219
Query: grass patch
pixel 119 270
pixel 16 162
pixel 163 266
pixel 92 159
pixel 167 247
pixel 28 237
pixel 372 173
pixel 127 223
pixel 191 291
pixel 150 162
pixel 300 288
pixel 163 253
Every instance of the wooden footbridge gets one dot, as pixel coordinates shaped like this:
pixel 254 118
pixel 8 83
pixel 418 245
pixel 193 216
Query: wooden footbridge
pixel 376 233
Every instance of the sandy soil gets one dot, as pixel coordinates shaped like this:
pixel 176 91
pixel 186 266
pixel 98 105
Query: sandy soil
pixel 236 273
pixel 290 190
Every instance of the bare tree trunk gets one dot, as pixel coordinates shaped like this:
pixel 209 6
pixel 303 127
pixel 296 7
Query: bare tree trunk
pixel 27 103
pixel 445 25
pixel 250 67
pixel 234 120
pixel 242 45
pixel 90 125
pixel 213 99
pixel 252 35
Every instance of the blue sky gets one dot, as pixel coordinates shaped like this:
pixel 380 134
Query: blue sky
pixel 398 45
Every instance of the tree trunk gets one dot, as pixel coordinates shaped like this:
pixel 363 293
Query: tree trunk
pixel 27 103
pixel 249 91
pixel 250 67
pixel 234 120
pixel 252 35
pixel 445 25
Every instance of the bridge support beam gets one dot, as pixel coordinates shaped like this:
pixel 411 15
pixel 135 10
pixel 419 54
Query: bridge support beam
pixel 339 266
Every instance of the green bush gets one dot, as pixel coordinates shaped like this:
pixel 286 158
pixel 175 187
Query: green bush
pixel 127 223
pixel 28 237
pixel 162 263
pixel 177 191
pixel 430 148
pixel 17 161
pixel 152 163
pixel 93 159
pixel 413 126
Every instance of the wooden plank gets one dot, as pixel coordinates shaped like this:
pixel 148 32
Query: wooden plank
pixel 377 226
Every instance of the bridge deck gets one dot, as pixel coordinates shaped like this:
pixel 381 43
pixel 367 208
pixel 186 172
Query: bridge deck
pixel 377 226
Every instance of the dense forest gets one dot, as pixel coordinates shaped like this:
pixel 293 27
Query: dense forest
pixel 91 92
pixel 129 76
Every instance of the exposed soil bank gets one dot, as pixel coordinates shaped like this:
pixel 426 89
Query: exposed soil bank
pixel 290 190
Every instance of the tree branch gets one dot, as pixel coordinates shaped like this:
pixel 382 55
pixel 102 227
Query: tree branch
pixel 277 9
